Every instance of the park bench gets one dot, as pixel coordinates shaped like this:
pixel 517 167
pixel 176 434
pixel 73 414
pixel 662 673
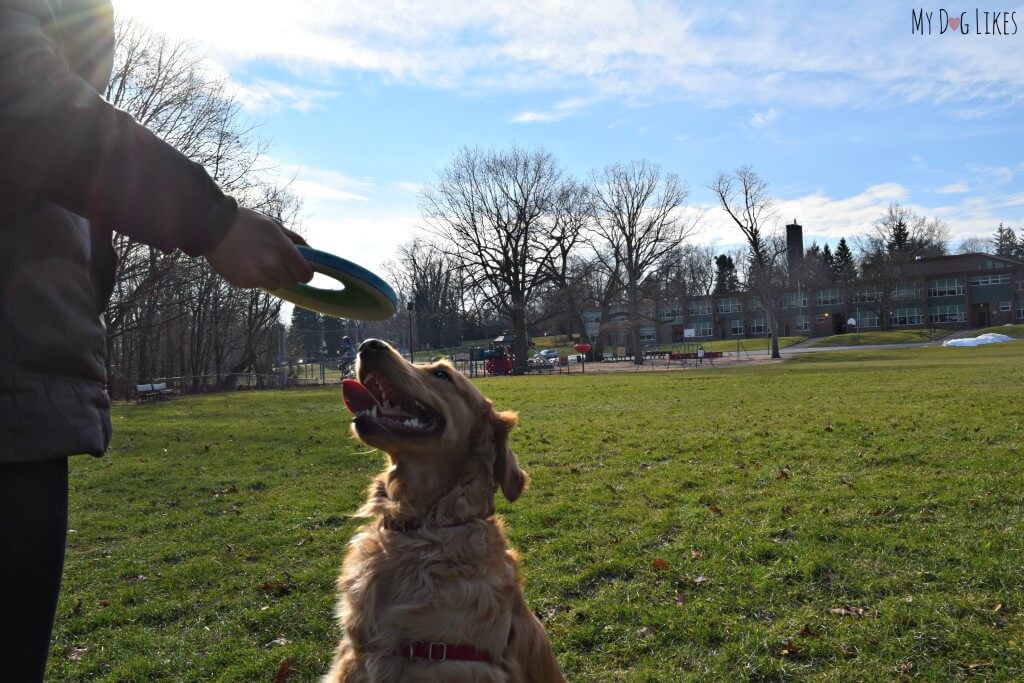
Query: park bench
pixel 539 367
pixel 152 392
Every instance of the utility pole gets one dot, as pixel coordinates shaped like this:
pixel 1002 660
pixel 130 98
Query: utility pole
pixel 409 308
pixel 282 362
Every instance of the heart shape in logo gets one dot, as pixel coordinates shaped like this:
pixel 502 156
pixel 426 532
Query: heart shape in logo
pixel 954 23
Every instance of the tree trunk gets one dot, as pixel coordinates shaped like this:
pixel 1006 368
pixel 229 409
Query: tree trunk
pixel 634 325
pixel 521 348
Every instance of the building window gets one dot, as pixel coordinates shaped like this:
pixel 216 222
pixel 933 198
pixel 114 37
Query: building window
pixel 1020 312
pixel 866 296
pixel 985 280
pixel 702 329
pixel 820 319
pixel 794 300
pixel 865 319
pixel 803 324
pixel 906 316
pixel 946 314
pixel 699 307
pixel 906 292
pixel 646 335
pixel 947 287
pixel 736 328
pixel 1004 307
pixel 1019 285
pixel 669 313
pixel 826 297
pixel 757 327
pixel 729 306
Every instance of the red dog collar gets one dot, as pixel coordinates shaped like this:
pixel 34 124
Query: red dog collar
pixel 440 652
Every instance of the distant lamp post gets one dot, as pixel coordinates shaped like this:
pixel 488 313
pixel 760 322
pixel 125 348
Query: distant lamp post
pixel 410 307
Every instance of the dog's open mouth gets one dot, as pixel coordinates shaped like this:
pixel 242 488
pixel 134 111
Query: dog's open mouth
pixel 378 401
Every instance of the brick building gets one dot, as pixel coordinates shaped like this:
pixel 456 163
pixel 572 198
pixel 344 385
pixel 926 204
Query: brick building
pixel 952 292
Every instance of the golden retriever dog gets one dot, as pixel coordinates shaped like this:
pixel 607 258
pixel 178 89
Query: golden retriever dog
pixel 430 590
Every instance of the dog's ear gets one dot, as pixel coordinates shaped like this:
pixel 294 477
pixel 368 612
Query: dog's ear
pixel 506 469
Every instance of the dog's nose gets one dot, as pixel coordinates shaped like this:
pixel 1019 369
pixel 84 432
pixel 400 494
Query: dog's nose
pixel 372 345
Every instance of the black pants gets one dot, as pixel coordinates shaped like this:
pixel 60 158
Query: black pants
pixel 33 531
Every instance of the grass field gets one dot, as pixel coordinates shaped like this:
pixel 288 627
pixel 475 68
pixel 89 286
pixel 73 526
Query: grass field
pixel 879 337
pixel 847 516
pixel 1015 331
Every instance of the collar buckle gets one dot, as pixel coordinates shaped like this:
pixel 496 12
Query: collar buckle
pixel 444 652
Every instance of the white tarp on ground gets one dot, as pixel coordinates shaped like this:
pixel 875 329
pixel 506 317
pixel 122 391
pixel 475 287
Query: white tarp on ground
pixel 980 340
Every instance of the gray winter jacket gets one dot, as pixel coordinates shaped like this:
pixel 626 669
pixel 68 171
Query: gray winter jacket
pixel 72 169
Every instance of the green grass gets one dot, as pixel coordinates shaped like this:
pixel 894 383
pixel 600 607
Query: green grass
pixel 839 517
pixel 1015 331
pixel 757 344
pixel 880 337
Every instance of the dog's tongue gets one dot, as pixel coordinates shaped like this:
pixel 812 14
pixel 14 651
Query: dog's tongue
pixel 357 398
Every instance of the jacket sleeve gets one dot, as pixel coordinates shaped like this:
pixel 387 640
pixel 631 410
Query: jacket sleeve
pixel 60 141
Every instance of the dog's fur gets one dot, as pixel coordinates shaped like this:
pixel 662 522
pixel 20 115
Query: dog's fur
pixel 453 578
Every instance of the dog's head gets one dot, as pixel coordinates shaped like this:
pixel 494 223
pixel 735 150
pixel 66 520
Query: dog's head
pixel 430 420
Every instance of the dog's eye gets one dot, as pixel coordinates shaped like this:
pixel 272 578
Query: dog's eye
pixel 443 374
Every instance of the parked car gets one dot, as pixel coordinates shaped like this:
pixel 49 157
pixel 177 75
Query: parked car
pixel 548 354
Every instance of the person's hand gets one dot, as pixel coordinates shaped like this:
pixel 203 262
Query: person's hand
pixel 259 252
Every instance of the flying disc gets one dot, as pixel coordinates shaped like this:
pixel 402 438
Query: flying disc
pixel 365 296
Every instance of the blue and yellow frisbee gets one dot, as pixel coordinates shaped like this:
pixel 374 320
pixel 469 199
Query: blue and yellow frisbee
pixel 365 297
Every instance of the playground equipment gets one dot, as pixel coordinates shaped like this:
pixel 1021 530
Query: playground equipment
pixel 583 349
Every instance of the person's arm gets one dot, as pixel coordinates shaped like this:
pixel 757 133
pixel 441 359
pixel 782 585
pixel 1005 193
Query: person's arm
pixel 60 141
pixel 63 143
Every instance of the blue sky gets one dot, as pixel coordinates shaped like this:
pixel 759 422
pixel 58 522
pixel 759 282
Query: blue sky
pixel 838 105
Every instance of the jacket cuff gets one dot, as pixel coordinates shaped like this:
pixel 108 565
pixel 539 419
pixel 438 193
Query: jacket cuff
pixel 217 227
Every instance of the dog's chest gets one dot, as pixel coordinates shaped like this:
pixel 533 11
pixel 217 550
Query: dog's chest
pixel 457 589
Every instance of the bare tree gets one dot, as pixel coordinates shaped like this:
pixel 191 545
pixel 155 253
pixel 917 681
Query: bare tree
pixel 639 217
pixel 431 280
pixel 491 211
pixel 571 218
pixel 744 196
pixel 169 315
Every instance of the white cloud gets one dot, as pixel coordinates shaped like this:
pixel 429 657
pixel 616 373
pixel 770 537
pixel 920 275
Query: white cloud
pixel 760 119
pixel 826 219
pixel 953 188
pixel 261 95
pixel 561 110
pixel 800 52
pixel 323 184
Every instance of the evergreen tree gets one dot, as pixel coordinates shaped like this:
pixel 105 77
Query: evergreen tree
pixel 829 258
pixel 726 280
pixel 304 333
pixel 1006 243
pixel 844 269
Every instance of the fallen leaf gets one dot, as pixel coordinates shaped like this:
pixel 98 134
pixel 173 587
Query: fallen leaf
pixel 828 427
pixel 696 554
pixel 278 587
pixel 138 578
pixel 905 667
pixel 783 474
pixel 714 509
pixel 660 564
pixel 682 598
pixel 848 611
pixel 280 642
pixel 788 648
pixel 700 580
pixel 979 665
pixel 807 631
pixel 998 608
pixel 284 672
pixel 645 631
pixel 77 653
pixel 908 599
